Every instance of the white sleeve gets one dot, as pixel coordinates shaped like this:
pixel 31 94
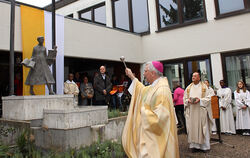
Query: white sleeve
pixel 131 87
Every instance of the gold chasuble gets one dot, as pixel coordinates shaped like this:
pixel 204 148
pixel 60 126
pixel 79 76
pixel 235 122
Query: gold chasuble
pixel 150 130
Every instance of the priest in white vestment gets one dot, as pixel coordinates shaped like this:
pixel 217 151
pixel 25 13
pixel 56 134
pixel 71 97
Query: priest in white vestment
pixel 198 114
pixel 242 101
pixel 211 93
pixel 226 113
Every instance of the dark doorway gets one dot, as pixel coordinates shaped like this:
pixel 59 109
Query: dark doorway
pixel 4 75
pixel 90 66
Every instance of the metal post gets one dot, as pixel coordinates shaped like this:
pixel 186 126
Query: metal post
pixel 54 38
pixel 11 57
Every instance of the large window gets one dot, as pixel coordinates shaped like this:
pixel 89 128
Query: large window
pixel 181 70
pixel 175 74
pixel 230 7
pixel 172 13
pixel 236 67
pixel 201 66
pixel 131 15
pixel 95 14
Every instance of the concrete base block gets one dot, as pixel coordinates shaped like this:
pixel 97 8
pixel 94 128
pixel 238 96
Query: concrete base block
pixel 17 127
pixel 31 107
pixel 75 118
pixel 62 140
pixel 114 128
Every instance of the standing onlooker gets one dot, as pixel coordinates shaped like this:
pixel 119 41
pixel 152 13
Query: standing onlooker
pixel 242 101
pixel 102 86
pixel 179 106
pixel 211 93
pixel 113 93
pixel 77 79
pixel 87 92
pixel 198 114
pixel 226 113
pixel 70 87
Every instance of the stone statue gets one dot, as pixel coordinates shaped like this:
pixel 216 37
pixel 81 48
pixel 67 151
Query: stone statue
pixel 39 73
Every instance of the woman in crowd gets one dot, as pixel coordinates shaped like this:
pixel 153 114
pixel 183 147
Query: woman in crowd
pixel 242 101
pixel 226 113
pixel 87 92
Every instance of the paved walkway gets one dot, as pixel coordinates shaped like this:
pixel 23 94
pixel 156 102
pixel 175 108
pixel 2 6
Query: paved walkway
pixel 241 149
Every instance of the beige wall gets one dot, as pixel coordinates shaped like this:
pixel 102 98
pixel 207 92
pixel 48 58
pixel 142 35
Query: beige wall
pixel 98 42
pixel 5 28
pixel 213 36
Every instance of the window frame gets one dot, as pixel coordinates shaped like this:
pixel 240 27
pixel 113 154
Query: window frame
pixel 92 11
pixel 185 61
pixel 130 16
pixel 233 13
pixel 229 54
pixel 181 22
pixel 70 15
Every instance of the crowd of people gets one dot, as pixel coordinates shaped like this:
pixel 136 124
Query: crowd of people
pixel 192 106
pixel 194 111
pixel 102 91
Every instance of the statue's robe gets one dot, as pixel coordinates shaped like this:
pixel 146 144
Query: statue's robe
pixel 198 116
pixel 150 130
pixel 226 116
pixel 41 73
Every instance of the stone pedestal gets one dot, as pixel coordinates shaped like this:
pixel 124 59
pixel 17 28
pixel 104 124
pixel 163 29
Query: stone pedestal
pixel 75 118
pixel 31 107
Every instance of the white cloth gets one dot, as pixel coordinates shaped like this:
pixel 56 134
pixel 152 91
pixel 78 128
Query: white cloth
pixel 226 116
pixel 206 144
pixel 242 115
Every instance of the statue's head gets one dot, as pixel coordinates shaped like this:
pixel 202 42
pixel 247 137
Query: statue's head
pixel 40 39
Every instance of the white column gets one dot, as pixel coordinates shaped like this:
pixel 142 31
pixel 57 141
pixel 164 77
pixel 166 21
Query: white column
pixel 217 72
pixel 75 15
pixel 152 15
pixel 109 22
pixel 210 10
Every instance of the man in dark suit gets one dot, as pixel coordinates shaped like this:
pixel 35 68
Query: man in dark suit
pixel 102 86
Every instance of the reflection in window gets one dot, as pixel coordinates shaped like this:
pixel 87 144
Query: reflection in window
pixel 86 15
pixel 238 68
pixel 226 6
pixel 193 9
pixel 168 12
pixel 140 16
pixel 95 13
pixel 100 14
pixel 201 66
pixel 175 74
pixel 121 14
pixel 177 12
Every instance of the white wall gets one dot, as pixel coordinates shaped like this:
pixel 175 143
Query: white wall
pixel 5 28
pixel 213 36
pixel 97 42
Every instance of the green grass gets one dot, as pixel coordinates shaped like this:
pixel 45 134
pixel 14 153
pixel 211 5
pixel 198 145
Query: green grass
pixel 116 113
pixel 25 148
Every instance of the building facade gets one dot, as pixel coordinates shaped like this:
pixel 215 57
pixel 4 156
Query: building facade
pixel 209 36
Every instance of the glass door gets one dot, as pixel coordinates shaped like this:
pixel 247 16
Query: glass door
pixel 201 66
pixel 175 74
